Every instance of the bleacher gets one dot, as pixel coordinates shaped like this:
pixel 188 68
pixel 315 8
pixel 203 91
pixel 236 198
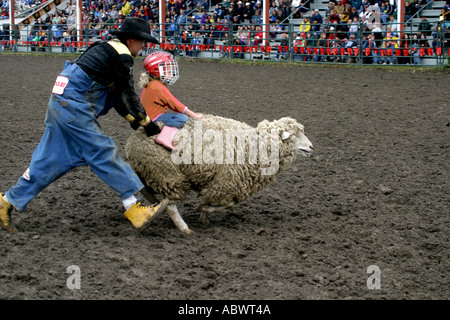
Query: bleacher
pixel 431 14
pixel 29 15
pixel 26 19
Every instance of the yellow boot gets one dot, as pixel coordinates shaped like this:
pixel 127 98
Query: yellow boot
pixel 140 216
pixel 5 214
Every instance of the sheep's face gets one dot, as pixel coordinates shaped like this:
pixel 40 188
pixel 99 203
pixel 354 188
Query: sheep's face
pixel 304 146
pixel 290 130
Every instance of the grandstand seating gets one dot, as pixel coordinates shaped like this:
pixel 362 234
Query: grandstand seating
pixel 27 18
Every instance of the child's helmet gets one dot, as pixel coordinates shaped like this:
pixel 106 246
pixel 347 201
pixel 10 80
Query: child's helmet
pixel 162 65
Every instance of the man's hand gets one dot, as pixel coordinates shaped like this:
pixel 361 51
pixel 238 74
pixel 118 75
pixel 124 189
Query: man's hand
pixel 151 129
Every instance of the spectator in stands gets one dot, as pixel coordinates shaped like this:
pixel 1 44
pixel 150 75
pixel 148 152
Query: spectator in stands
pixel 257 19
pixel 311 40
pixel 392 24
pixel 281 15
pixel 181 19
pixel 389 44
pixel 405 46
pixel 384 16
pixel 322 42
pixel 57 32
pixel 305 25
pixel 273 16
pixel 329 7
pixel 424 26
pixel 423 42
pixel 218 8
pixel 285 8
pixel 284 46
pixel 279 27
pixel 196 41
pixel 355 4
pixel 353 13
pixel 230 12
pixel 259 36
pixel 236 22
pixel 364 4
pixel 344 17
pixel 248 12
pixel 390 9
pixel 187 32
pixel 205 17
pixel 372 48
pixel 414 51
pixel 316 16
pixel 334 17
pixel 410 10
pixel 351 43
pixel 444 16
pixel 299 42
pixel 154 31
pixel 304 7
pixel 113 12
pixel 215 34
pixel 331 33
pixel 339 8
pixel 335 46
pixel 240 10
pixel 242 35
pixel 194 22
pixel 327 24
pixel 353 27
pixel 315 28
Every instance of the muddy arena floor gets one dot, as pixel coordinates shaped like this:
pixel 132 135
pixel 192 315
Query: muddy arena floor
pixel 375 193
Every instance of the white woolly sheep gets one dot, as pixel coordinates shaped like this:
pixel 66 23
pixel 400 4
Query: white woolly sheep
pixel 225 160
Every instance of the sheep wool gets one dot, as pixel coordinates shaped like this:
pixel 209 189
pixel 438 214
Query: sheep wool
pixel 221 184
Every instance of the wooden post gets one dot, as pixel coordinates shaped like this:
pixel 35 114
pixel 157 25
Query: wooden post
pixel 401 18
pixel 11 13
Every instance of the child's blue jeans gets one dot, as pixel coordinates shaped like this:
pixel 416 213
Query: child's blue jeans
pixel 173 119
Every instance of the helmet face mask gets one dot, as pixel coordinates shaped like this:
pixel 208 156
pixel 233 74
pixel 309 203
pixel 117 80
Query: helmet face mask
pixel 168 72
pixel 162 65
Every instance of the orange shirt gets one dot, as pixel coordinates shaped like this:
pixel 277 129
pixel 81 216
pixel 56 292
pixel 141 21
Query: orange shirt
pixel 157 99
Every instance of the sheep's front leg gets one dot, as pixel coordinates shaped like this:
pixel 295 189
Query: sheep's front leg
pixel 175 215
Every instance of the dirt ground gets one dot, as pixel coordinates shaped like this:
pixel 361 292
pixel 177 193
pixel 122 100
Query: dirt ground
pixel 375 193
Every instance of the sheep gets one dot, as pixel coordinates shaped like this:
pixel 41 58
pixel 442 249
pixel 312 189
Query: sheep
pixel 224 160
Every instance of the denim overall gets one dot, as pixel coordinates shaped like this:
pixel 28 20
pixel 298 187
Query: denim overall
pixel 73 137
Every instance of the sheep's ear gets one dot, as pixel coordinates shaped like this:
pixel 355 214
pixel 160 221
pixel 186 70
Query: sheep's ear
pixel 285 135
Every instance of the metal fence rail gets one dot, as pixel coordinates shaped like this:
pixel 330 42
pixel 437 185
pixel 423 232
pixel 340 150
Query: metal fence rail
pixel 289 42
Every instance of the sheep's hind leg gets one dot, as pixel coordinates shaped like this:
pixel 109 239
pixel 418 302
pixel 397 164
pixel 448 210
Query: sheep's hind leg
pixel 205 209
pixel 203 218
pixel 175 215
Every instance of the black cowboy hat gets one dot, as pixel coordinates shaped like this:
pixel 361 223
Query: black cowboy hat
pixel 136 28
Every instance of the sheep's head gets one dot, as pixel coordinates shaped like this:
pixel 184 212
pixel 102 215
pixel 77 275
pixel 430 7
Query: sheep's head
pixel 290 130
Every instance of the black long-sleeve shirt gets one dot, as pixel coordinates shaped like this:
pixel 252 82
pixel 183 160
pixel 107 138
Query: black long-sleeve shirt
pixel 111 64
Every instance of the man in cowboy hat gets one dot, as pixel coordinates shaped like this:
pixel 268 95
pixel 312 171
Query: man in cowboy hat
pixel 100 79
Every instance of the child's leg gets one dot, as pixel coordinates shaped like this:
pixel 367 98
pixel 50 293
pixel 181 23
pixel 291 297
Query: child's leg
pixel 172 122
pixel 173 119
